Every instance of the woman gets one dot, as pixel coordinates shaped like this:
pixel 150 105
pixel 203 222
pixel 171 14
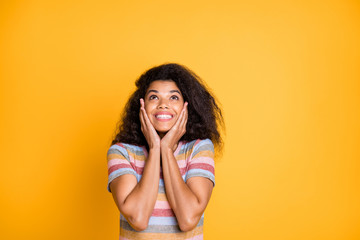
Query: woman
pixel 161 162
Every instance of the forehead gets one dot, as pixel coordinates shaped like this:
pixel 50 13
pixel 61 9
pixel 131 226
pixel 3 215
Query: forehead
pixel 164 86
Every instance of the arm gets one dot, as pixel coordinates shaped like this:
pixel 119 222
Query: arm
pixel 188 200
pixel 136 200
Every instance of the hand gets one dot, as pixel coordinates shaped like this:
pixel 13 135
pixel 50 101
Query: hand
pixel 172 137
pixel 148 129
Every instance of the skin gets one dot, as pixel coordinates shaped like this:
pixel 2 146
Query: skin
pixel 136 200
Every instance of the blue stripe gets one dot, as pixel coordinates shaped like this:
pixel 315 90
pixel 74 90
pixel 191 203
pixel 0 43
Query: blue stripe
pixel 121 171
pixel 200 171
pixel 121 150
pixel 134 149
pixel 158 220
pixel 186 147
pixel 203 145
pixel 163 221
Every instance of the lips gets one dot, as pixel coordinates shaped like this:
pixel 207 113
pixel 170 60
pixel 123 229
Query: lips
pixel 163 116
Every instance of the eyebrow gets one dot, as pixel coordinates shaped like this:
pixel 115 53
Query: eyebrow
pixel 156 91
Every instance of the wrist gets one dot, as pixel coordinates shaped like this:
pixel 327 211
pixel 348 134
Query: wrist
pixel 155 148
pixel 168 148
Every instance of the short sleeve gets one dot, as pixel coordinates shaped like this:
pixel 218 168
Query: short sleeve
pixel 201 163
pixel 118 163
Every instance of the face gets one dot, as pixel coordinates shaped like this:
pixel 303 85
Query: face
pixel 163 104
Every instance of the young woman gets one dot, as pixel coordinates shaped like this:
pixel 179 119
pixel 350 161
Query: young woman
pixel 161 162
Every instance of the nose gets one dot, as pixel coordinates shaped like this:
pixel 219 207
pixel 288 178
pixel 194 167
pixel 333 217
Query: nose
pixel 163 104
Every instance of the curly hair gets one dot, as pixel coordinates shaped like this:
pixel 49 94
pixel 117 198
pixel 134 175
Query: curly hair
pixel 204 115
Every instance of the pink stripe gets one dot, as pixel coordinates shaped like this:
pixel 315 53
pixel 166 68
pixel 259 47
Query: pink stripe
pixel 139 170
pixel 139 164
pixel 117 161
pixel 181 163
pixel 202 166
pixel 182 171
pixel 163 213
pixel 178 148
pixel 162 205
pixel 207 160
pixel 118 166
pixel 131 159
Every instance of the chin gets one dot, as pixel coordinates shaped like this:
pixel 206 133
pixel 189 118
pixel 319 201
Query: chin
pixel 162 131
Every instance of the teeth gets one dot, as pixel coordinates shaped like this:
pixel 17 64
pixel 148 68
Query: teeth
pixel 163 116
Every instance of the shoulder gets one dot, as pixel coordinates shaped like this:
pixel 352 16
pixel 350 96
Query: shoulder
pixel 125 149
pixel 204 144
pixel 199 145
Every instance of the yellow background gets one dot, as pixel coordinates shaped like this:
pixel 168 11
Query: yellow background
pixel 286 72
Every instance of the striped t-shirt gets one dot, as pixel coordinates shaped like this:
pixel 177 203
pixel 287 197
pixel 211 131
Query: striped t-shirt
pixel 195 158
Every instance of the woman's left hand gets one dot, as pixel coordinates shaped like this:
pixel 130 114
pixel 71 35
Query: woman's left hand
pixel 172 137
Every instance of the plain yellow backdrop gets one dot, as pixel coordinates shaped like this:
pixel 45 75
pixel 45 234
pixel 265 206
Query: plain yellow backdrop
pixel 287 74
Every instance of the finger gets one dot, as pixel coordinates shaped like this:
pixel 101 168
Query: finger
pixel 143 111
pixel 145 116
pixel 184 118
pixel 178 121
pixel 186 114
pixel 178 124
pixel 183 114
pixel 186 108
pixel 146 121
pixel 142 120
pixel 182 127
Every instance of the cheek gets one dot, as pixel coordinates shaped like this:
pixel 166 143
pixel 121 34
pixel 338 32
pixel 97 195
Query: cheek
pixel 178 108
pixel 148 108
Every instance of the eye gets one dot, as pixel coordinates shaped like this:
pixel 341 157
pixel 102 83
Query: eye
pixel 174 97
pixel 152 97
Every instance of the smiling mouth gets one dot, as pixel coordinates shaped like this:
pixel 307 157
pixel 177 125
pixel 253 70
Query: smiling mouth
pixel 163 116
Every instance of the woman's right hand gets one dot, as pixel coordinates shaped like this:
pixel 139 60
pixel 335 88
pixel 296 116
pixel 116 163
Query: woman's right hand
pixel 151 136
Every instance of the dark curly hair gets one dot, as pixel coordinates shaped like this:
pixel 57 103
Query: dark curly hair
pixel 204 115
